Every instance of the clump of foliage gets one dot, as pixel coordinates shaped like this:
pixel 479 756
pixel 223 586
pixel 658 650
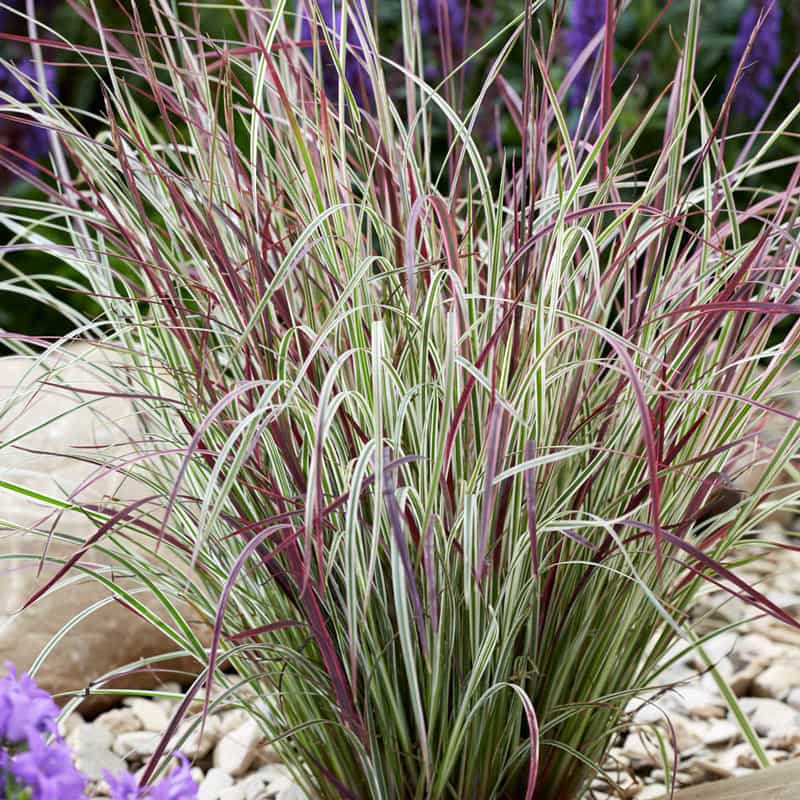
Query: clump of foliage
pixel 433 448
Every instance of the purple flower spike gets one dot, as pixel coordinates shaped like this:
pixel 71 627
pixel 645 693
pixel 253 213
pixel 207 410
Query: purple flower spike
pixel 757 75
pixel 123 787
pixel 48 771
pixel 356 76
pixel 434 14
pixel 586 18
pixel 17 132
pixel 26 711
pixel 178 785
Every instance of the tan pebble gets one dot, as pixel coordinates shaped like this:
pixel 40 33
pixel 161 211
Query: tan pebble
pixel 777 681
pixel 198 746
pixel 152 716
pixel 215 781
pixel 654 791
pixel 136 744
pixel 236 750
pixel 119 720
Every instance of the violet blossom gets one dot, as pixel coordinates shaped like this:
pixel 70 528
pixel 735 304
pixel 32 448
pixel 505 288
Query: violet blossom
pixel 178 785
pixel 36 763
pixel 48 772
pixel 435 14
pixel 19 133
pixel 757 74
pixel 355 75
pixel 26 711
pixel 586 18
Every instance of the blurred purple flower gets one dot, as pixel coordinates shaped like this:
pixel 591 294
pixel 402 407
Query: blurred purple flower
pixel 10 21
pixel 17 132
pixel 123 787
pixel 356 76
pixel 26 711
pixel 586 18
pixel 48 771
pixel 757 75
pixel 434 14
pixel 178 785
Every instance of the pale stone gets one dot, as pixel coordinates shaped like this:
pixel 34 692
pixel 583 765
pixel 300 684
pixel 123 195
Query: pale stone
pixel 654 791
pixel 757 647
pixel 722 732
pixel 643 750
pixel 717 648
pixel 119 720
pixel 696 701
pixel 197 746
pixel 236 750
pixel 777 681
pixel 215 781
pixel 742 681
pixel 272 772
pixel 152 716
pixel 251 788
pixel 235 792
pixel 89 735
pixel 91 746
pixel 704 769
pixel 95 761
pixel 136 744
pixel 286 789
pixel 53 459
pixel 787 741
pixel 770 716
pixel 793 698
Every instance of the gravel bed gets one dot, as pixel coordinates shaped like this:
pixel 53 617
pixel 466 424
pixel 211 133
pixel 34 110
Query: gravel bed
pixel 759 660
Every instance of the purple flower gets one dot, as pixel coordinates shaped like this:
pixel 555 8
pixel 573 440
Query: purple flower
pixel 178 785
pixel 10 21
pixel 48 771
pixel 435 14
pixel 17 132
pixel 123 787
pixel 757 74
pixel 26 711
pixel 586 18
pixel 356 76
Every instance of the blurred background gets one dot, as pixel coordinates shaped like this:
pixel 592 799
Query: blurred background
pixel 645 54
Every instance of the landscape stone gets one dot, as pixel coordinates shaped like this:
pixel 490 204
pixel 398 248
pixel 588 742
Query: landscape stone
pixel 215 781
pixel 136 744
pixel 770 716
pixel 52 460
pixel 236 750
pixel 152 716
pixel 119 720
pixel 777 681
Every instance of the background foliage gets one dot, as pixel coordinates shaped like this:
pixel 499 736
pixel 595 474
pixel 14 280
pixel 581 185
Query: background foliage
pixel 646 49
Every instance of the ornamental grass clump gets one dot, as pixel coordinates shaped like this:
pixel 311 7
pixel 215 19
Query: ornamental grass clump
pixel 438 452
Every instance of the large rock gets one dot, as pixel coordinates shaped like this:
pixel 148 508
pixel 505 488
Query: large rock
pixel 770 429
pixel 55 460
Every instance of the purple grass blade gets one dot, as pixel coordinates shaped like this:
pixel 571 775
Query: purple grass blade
pixel 395 520
pixel 492 450
pixel 530 506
